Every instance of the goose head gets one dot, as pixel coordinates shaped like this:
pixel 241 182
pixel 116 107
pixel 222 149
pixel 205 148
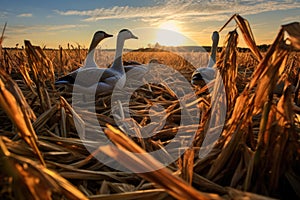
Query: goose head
pixel 215 37
pixel 126 34
pixel 123 35
pixel 98 36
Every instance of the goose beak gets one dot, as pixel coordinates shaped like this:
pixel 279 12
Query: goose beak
pixel 134 37
pixel 108 35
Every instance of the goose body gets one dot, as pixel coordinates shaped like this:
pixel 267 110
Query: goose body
pixel 108 77
pixel 138 67
pixel 89 65
pixel 204 75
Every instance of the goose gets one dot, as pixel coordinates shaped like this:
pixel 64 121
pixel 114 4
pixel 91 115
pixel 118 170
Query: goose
pixel 89 61
pixel 204 75
pixel 117 68
pixel 109 76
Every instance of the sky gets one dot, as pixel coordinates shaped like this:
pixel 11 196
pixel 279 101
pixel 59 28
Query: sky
pixel 174 23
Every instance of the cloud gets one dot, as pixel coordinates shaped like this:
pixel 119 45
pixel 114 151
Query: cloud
pixel 3 14
pixel 196 10
pixel 25 15
pixel 22 29
pixel 64 27
pixel 290 19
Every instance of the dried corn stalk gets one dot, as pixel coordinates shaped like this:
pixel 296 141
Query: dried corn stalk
pixel 162 177
pixel 267 161
pixel 228 69
pixel 1 40
pixel 12 87
pixel 19 116
pixel 244 26
pixel 34 181
pixel 293 30
pixel 43 72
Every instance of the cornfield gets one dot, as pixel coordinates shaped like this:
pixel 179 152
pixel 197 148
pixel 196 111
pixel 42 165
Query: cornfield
pixel 255 157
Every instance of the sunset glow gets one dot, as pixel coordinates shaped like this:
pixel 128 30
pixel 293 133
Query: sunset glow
pixel 169 34
pixel 59 23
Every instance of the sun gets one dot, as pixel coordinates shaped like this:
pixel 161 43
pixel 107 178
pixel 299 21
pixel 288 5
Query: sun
pixel 170 34
pixel 170 25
